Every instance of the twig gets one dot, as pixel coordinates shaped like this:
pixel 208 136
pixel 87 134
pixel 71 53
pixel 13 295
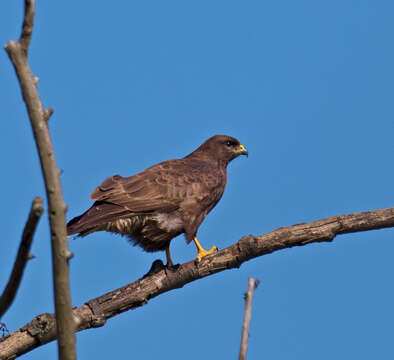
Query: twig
pixel 252 284
pixel 18 51
pixel 22 257
pixel 27 27
pixel 3 329
pixel 42 329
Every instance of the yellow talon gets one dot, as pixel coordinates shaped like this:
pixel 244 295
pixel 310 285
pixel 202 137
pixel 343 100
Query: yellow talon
pixel 201 251
pixel 168 257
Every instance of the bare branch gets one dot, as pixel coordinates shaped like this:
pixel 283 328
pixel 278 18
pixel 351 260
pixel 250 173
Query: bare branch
pixel 27 27
pixel 252 284
pixel 18 51
pixel 42 329
pixel 22 257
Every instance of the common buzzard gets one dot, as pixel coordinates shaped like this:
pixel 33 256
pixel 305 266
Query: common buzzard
pixel 163 201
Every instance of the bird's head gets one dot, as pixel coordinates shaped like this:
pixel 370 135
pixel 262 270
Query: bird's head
pixel 222 147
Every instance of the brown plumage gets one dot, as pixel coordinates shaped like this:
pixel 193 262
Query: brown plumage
pixel 163 201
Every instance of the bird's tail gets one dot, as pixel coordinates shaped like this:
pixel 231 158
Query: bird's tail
pixel 95 218
pixel 77 226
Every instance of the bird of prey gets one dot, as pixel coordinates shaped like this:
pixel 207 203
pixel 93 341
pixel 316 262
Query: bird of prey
pixel 163 201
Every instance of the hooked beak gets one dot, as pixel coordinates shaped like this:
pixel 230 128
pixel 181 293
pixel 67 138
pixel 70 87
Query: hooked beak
pixel 242 150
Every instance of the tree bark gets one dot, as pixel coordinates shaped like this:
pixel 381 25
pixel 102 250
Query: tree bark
pixel 9 293
pixel 94 313
pixel 18 54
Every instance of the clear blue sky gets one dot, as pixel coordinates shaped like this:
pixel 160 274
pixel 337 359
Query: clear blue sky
pixel 307 86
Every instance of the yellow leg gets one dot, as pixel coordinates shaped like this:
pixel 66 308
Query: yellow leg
pixel 168 256
pixel 201 251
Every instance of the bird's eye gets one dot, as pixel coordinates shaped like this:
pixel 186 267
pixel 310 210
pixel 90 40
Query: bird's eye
pixel 230 143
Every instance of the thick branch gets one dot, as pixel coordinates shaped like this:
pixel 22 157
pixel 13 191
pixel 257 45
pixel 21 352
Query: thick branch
pixel 94 313
pixel 17 51
pixel 252 284
pixel 12 286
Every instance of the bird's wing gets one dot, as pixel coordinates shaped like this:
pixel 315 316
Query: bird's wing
pixel 160 188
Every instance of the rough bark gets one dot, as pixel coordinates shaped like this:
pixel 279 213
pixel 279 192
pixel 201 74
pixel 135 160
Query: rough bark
pixel 18 54
pixel 94 313
pixel 9 293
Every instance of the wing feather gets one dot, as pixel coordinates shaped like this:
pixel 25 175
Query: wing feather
pixel 160 188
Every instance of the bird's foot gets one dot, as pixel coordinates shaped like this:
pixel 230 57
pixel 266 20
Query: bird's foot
pixel 202 252
pixel 173 267
pixel 169 262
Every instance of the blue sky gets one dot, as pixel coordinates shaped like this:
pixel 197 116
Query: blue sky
pixel 307 86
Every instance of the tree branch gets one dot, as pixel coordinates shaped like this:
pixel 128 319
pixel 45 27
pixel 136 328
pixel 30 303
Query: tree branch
pixel 252 284
pixel 22 257
pixel 18 53
pixel 27 27
pixel 42 329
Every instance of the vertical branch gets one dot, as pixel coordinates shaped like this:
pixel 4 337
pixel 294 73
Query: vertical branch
pixel 18 53
pixel 8 295
pixel 252 284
